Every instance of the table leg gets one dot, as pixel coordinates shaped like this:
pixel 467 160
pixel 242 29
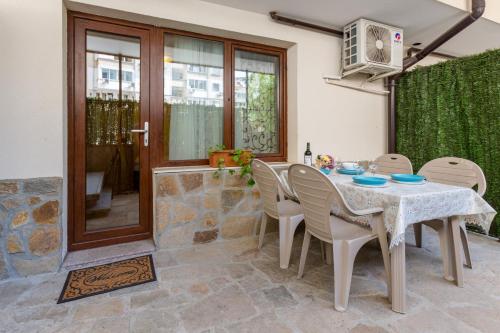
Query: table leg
pixel 446 245
pixel 398 278
pixel 458 268
pixel 447 255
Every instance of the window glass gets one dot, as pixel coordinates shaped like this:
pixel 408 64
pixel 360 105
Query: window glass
pixel 112 110
pixel 177 74
pixel 198 84
pixel 193 109
pixel 177 91
pixel 256 96
pixel 127 76
pixel 110 74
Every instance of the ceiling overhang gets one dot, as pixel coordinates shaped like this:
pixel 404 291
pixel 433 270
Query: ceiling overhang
pixel 421 20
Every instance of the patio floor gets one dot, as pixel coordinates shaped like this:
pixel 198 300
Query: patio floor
pixel 232 287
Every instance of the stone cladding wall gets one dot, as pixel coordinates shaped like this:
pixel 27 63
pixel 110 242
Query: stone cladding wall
pixel 30 226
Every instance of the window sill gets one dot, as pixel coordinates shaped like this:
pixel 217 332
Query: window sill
pixel 201 168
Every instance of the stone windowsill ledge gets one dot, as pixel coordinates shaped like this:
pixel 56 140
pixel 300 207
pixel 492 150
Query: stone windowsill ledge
pixel 199 168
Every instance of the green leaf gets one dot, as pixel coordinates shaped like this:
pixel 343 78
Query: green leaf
pixel 215 148
pixel 453 109
pixel 251 182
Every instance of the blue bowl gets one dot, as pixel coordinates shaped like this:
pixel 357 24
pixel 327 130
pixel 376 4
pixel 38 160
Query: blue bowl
pixel 365 180
pixel 357 171
pixel 407 178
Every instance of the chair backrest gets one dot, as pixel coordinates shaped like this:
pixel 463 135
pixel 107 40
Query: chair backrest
pixel 455 171
pixel 393 163
pixel 269 186
pixel 318 197
pixel 287 187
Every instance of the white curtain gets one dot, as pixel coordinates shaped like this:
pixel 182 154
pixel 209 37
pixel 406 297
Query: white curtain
pixel 193 129
pixel 194 51
pixel 256 62
pixel 196 118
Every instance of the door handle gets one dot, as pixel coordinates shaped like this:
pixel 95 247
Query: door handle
pixel 144 131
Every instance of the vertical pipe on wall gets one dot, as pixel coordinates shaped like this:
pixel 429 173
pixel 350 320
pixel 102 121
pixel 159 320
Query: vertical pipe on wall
pixel 391 84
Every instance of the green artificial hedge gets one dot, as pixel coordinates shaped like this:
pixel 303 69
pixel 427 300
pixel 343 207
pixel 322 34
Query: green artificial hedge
pixel 453 109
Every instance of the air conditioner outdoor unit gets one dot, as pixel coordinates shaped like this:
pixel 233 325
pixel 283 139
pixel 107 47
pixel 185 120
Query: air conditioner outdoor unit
pixel 372 48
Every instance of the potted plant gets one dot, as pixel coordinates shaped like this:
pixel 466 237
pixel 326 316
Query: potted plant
pixel 221 158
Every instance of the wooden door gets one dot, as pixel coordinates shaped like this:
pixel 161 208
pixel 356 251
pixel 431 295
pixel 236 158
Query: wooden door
pixel 109 169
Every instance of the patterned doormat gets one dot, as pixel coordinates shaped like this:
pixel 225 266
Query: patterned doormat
pixel 101 279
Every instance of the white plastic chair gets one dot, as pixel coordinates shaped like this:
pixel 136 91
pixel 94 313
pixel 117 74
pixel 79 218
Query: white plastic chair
pixel 452 171
pixel 319 197
pixel 393 163
pixel 287 188
pixel 287 212
pixel 290 194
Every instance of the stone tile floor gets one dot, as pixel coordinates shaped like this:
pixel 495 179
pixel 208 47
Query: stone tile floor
pixel 233 287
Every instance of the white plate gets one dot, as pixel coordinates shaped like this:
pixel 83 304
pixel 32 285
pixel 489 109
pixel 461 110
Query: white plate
pixel 410 183
pixel 375 186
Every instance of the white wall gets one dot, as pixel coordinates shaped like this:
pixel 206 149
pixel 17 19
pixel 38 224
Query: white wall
pixel 31 88
pixel 344 122
pixel 347 123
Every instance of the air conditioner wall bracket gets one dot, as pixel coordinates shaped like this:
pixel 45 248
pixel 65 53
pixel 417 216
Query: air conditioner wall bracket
pixel 335 80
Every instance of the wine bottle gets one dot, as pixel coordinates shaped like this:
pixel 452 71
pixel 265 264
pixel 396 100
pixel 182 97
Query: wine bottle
pixel 308 155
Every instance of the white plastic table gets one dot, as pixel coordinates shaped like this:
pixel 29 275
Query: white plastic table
pixel 405 205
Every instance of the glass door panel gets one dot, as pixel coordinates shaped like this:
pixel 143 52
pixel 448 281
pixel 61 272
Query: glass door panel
pixel 112 151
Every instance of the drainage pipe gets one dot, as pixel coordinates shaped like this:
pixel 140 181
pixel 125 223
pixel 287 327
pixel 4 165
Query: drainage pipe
pixel 294 22
pixel 478 7
pixel 411 50
pixel 477 11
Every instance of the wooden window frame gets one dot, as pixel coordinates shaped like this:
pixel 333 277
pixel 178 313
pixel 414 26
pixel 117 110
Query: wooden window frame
pixel 156 87
pixel 280 156
pixel 230 46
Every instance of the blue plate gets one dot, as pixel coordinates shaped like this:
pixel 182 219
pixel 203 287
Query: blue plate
pixel 357 171
pixel 365 180
pixel 407 178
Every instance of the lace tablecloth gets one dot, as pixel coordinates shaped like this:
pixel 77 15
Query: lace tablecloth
pixel 407 204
